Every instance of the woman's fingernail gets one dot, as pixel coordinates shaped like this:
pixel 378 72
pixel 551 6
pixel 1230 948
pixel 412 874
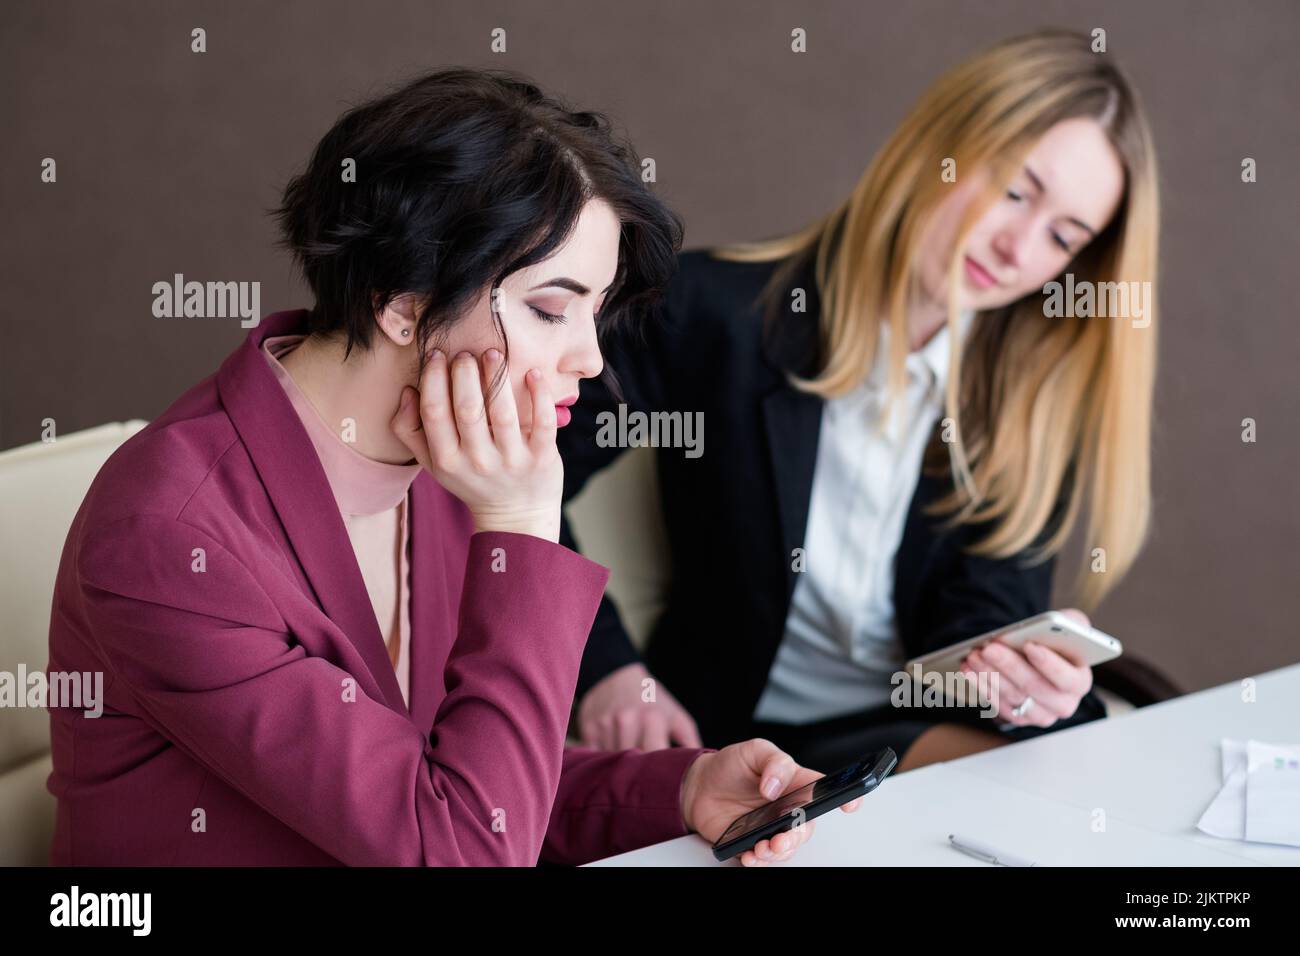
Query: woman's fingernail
pixel 492 355
pixel 533 375
pixel 771 788
pixel 406 399
pixel 438 356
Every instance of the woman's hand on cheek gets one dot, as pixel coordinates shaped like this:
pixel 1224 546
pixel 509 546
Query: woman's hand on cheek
pixel 473 445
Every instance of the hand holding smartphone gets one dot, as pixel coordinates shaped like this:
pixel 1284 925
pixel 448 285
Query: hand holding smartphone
pixel 1074 641
pixel 799 806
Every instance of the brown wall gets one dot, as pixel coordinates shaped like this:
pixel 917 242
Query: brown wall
pixel 166 159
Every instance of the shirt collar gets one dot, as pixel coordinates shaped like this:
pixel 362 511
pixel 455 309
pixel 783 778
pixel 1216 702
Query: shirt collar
pixel 930 361
pixel 934 356
pixel 361 485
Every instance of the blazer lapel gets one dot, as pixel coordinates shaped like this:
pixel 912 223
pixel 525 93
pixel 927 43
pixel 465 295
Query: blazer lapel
pixel 287 464
pixel 792 418
pixel 434 608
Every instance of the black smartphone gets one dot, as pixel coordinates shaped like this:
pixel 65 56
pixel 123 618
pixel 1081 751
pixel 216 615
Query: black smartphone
pixel 800 806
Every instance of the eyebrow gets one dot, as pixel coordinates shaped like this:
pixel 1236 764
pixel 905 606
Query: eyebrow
pixel 1038 183
pixel 571 284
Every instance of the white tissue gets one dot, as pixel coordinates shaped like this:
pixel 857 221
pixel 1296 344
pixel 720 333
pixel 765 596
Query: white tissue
pixel 1260 798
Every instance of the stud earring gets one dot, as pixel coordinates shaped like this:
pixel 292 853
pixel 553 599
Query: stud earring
pixel 405 333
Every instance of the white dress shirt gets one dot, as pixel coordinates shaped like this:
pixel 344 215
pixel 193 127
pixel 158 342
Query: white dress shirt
pixel 841 645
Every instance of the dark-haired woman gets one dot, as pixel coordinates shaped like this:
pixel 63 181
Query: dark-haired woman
pixel 325 585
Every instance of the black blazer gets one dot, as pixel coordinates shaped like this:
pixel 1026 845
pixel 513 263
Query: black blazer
pixel 735 514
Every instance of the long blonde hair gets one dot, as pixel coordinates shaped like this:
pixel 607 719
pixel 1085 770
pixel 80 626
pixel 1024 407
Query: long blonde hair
pixel 1036 406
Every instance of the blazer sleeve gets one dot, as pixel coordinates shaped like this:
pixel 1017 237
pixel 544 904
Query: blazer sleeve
pixel 211 666
pixel 639 359
pixel 615 802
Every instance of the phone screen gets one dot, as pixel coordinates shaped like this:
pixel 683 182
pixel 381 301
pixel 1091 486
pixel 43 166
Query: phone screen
pixel 780 807
pixel 787 803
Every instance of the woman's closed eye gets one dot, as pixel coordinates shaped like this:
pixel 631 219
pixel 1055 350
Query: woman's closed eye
pixel 547 316
pixel 1056 237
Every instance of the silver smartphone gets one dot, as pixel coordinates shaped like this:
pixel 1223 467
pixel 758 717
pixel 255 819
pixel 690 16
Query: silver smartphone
pixel 1063 634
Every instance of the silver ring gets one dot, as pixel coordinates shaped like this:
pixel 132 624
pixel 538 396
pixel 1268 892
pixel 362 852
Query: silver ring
pixel 1023 707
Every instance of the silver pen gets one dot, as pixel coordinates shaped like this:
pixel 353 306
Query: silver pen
pixel 982 851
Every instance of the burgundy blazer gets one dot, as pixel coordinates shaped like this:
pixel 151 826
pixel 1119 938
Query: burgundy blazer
pixel 251 714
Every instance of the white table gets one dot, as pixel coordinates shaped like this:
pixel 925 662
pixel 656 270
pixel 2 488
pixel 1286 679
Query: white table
pixel 1150 773
pixel 1159 766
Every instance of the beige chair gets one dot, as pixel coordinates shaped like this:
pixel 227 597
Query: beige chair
pixel 617 522
pixel 41 487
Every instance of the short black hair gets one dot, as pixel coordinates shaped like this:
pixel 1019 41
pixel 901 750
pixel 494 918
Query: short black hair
pixel 464 176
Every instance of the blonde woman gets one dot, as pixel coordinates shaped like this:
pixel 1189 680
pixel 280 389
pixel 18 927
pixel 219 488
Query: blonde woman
pixel 901 430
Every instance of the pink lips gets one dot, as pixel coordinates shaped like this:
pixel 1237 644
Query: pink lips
pixel 562 414
pixel 980 277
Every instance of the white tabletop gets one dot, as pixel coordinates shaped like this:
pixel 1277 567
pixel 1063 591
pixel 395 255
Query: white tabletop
pixel 1159 766
pixel 1117 792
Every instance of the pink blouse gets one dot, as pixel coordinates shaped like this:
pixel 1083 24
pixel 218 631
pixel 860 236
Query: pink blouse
pixel 373 498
